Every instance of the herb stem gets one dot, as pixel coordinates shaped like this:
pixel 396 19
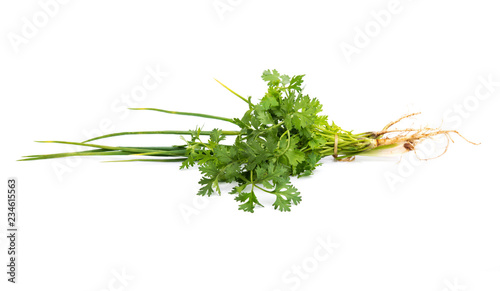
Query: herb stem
pixel 179 132
pixel 241 97
pixel 188 113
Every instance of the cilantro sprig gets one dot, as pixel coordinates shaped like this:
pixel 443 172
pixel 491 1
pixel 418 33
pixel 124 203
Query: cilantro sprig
pixel 273 144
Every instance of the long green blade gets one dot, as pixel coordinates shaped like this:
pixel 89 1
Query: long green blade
pixel 126 149
pixel 73 154
pixel 149 160
pixel 180 132
pixel 187 113
pixel 150 151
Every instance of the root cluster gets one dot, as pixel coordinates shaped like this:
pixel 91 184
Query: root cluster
pixel 410 137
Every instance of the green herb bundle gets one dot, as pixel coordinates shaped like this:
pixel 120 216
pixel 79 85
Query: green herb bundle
pixel 281 136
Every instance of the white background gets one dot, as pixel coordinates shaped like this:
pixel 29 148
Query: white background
pixel 410 225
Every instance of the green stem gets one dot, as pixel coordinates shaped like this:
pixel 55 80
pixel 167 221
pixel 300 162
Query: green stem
pixel 158 132
pixel 251 180
pixel 287 144
pixel 276 125
pixel 265 190
pixel 241 97
pixel 99 152
pixel 187 113
pixel 149 160
pixel 125 149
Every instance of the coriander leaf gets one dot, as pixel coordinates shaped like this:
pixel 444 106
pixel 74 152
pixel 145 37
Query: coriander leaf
pixel 207 187
pixel 251 201
pixel 286 195
pixel 273 78
pixel 296 82
pixel 294 157
pixel 222 154
pixel 270 174
pixel 270 99
pixel 263 116
pixel 285 80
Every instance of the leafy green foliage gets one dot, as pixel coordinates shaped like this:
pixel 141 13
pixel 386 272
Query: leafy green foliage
pixel 281 136
pixel 275 142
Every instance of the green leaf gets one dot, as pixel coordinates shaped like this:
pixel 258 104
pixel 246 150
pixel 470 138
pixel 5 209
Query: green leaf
pixel 263 116
pixel 250 201
pixel 254 121
pixel 273 78
pixel 216 137
pixel 316 142
pixel 209 168
pixel 271 174
pixel 294 157
pixel 270 99
pixel 238 189
pixel 246 118
pixel 207 187
pixel 203 156
pixel 306 167
pixel 285 80
pixel 231 173
pixel 296 82
pixel 189 162
pixel 286 195
pixel 222 154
